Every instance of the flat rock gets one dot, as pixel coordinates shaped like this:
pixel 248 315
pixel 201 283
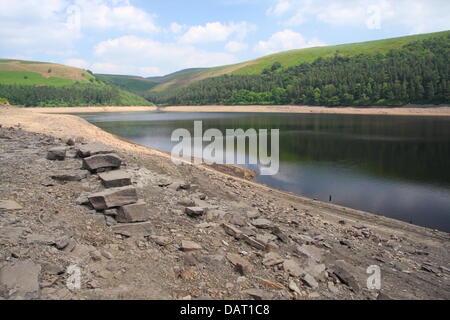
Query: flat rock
pixel 142 229
pixel 162 241
pixel 188 246
pixel 280 234
pixel 258 294
pixel 102 161
pixel 115 179
pixel 186 203
pixel 195 211
pixel 9 205
pixel 58 153
pixel 254 243
pixel 69 176
pixel 241 265
pixel 22 279
pixel 11 234
pixel 340 271
pixel 272 259
pixel 310 281
pixel 262 223
pixel 302 239
pixel 310 252
pixel 238 220
pixel 292 267
pixel 265 238
pixel 179 185
pixel 42 239
pixel 294 287
pixel 92 149
pixel 232 231
pixel 115 197
pixel 136 212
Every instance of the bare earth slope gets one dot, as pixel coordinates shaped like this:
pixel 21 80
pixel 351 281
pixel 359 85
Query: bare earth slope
pixel 302 250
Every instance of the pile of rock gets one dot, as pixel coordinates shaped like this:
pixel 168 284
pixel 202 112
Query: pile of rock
pixel 119 199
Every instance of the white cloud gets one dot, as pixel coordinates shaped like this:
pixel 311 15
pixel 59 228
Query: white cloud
pixel 77 63
pixel 286 40
pixel 52 26
pixel 415 15
pixel 138 55
pixel 176 27
pixel 236 46
pixel 216 32
pixel 116 14
pixel 280 8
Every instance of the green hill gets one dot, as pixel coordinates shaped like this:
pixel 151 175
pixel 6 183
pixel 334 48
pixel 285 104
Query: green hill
pixel 32 83
pixel 289 59
pixel 131 83
pixel 417 72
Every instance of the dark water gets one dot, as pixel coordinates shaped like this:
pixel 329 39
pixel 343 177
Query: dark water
pixel 395 166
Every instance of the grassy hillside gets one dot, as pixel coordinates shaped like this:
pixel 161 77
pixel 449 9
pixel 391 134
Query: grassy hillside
pixel 290 58
pixel 416 73
pixel 40 73
pixel 131 83
pixel 33 83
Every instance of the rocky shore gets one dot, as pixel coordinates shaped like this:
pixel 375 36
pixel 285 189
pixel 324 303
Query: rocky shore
pixel 137 226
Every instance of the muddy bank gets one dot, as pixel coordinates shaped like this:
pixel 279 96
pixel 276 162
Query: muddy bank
pixel 206 234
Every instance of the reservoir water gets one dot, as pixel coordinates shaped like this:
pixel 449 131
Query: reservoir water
pixel 396 166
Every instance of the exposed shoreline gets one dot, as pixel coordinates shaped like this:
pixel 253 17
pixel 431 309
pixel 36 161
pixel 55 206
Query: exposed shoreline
pixel 443 110
pixel 407 111
pixel 399 241
pixel 63 126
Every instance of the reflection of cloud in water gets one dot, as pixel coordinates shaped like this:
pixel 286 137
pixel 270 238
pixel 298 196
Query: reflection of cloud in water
pixel 372 194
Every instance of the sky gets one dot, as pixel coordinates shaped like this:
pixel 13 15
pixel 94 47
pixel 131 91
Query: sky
pixel 154 37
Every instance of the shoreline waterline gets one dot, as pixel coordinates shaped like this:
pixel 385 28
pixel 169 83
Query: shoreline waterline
pixel 443 110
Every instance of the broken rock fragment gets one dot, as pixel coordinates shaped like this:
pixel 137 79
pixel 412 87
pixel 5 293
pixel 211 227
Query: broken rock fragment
pixel 242 265
pixel 69 176
pixel 136 212
pixel 189 246
pixel 195 211
pixel 92 149
pixel 111 198
pixel 115 179
pixel 232 231
pixel 21 279
pixel 9 205
pixel 292 267
pixel 102 161
pixel 262 223
pixel 58 153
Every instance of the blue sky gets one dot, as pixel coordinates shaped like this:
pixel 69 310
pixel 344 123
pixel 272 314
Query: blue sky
pixel 149 37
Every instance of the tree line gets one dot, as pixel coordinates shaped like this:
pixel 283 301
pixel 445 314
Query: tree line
pixel 73 95
pixel 417 73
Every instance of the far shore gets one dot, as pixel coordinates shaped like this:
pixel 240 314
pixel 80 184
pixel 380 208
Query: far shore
pixel 409 110
pixel 443 110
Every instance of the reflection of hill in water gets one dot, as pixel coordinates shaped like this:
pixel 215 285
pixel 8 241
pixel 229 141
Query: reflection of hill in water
pixel 406 148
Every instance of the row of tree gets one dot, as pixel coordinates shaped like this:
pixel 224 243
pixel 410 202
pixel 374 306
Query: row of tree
pixel 417 73
pixel 73 95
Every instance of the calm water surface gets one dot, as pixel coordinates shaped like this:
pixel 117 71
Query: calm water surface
pixel 396 166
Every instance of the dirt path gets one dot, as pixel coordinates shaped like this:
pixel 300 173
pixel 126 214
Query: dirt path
pixel 255 241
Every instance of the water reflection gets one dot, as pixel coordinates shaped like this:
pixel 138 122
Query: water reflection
pixel 396 166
